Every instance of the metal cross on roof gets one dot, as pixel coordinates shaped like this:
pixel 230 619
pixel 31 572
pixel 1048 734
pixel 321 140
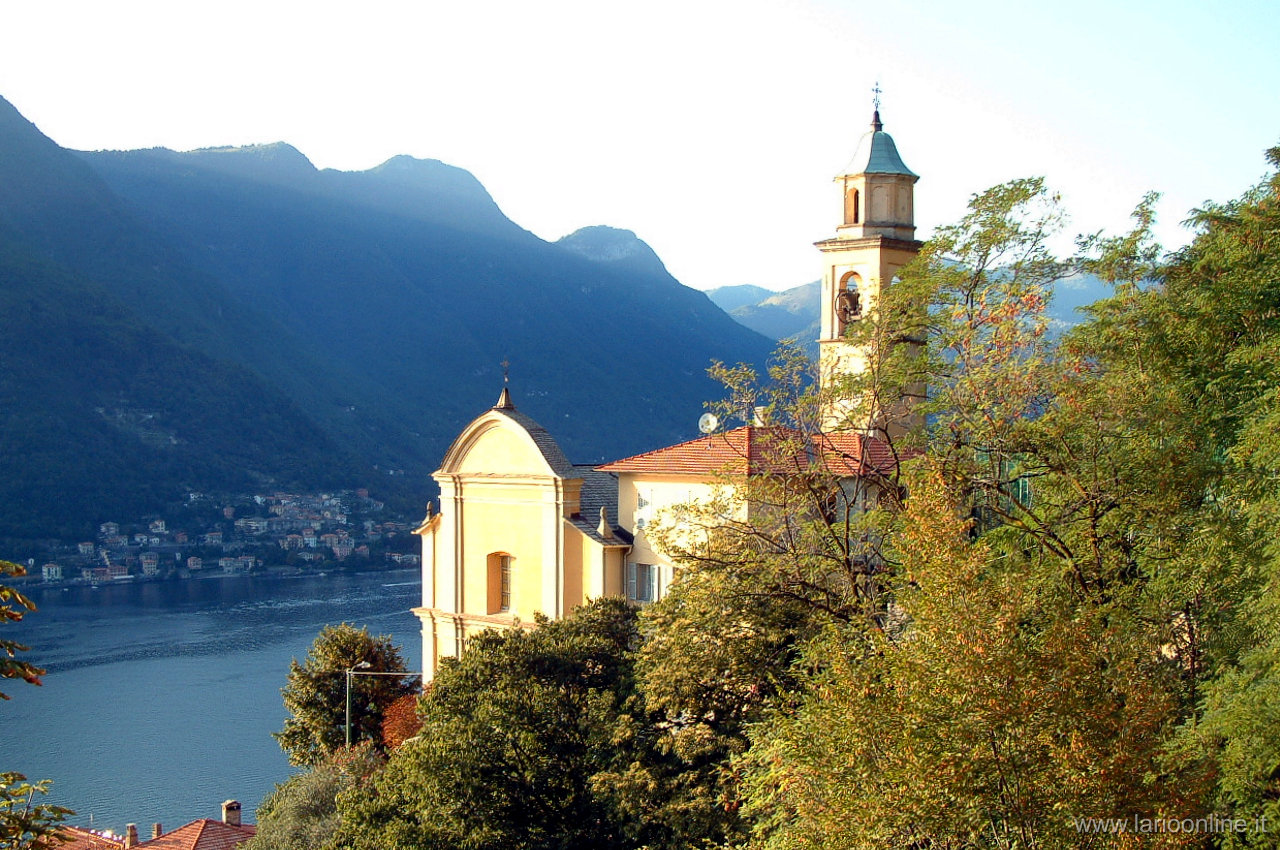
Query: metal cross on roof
pixel 506 369
pixel 875 95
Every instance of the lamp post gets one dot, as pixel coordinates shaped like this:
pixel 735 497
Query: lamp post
pixel 363 665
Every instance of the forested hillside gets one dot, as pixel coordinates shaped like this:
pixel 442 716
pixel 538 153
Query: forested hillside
pixel 212 319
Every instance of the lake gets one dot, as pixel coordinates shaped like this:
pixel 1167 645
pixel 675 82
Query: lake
pixel 161 697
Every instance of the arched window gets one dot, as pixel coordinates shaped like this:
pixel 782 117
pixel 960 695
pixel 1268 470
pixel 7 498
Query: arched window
pixel 499 583
pixel 848 305
pixel 851 211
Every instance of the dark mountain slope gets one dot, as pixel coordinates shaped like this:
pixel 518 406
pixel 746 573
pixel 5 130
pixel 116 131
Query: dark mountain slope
pixel 118 361
pixel 101 416
pixel 56 207
pixel 610 354
pixel 230 317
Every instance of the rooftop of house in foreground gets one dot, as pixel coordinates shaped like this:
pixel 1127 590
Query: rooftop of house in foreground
pixel 203 834
pixel 764 450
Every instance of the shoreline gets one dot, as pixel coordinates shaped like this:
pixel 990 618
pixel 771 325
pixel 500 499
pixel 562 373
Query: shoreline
pixel 35 582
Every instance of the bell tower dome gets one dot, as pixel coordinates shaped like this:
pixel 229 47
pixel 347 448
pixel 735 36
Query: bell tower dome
pixel 874 238
pixel 877 188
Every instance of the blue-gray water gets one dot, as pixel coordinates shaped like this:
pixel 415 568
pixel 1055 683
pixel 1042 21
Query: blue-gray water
pixel 161 698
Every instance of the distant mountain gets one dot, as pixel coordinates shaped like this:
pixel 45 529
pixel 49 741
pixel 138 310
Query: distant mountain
pixel 619 249
pixel 99 407
pixel 1072 293
pixel 795 313
pixel 233 316
pixel 730 298
pixel 790 314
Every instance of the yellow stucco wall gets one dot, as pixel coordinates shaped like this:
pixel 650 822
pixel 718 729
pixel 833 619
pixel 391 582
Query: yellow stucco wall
pixel 663 492
pixel 499 496
pixel 509 518
pixel 875 262
pixel 497 447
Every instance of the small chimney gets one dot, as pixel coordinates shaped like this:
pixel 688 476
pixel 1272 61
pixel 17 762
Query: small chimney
pixel 156 830
pixel 604 529
pixel 231 813
pixel 131 835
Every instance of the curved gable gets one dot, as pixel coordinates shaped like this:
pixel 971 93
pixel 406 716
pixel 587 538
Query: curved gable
pixel 504 442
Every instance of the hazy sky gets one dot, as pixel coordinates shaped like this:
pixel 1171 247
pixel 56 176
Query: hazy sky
pixel 712 129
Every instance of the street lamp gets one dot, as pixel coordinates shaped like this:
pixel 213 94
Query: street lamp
pixel 355 670
pixel 363 665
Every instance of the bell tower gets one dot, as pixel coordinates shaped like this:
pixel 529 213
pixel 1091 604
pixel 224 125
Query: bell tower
pixel 875 238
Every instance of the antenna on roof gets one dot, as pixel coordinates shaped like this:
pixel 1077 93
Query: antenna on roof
pixel 708 422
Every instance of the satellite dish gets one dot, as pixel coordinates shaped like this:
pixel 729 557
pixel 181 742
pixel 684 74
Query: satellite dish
pixel 707 423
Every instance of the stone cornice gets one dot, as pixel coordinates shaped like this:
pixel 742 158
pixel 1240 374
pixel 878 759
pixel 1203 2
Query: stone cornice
pixel 882 242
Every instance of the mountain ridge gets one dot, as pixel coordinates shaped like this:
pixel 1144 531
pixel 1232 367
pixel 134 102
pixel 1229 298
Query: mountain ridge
pixel 375 305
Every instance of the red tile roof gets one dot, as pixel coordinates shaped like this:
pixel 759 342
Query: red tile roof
pixel 76 838
pixel 203 834
pixel 856 455
pixel 755 450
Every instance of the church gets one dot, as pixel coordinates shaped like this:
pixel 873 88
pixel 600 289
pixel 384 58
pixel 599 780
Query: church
pixel 520 530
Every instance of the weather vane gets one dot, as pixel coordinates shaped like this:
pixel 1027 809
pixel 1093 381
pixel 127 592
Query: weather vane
pixel 506 370
pixel 875 95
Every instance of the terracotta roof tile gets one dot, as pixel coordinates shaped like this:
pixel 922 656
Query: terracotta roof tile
pixel 203 834
pixel 847 453
pixel 755 450
pixel 75 838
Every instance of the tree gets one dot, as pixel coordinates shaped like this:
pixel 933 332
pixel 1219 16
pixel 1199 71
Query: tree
pixel 1019 640
pixel 400 721
pixel 12 605
pixel 1220 329
pixel 1003 710
pixel 316 692
pixel 516 736
pixel 302 812
pixel 24 824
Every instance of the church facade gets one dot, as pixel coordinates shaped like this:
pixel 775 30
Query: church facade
pixel 522 531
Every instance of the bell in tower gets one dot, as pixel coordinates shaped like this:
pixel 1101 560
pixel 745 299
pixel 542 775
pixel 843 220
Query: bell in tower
pixel 874 238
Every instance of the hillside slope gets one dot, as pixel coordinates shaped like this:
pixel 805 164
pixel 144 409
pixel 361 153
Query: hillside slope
pixel 424 294
pixel 309 326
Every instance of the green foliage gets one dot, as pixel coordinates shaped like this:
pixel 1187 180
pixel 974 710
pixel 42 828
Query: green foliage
pixel 1221 325
pixel 10 666
pixel 316 692
pixel 1004 707
pixel 1037 621
pixel 302 812
pixel 516 738
pixel 24 823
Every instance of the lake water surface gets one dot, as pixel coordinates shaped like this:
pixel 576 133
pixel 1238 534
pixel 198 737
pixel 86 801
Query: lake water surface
pixel 161 697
